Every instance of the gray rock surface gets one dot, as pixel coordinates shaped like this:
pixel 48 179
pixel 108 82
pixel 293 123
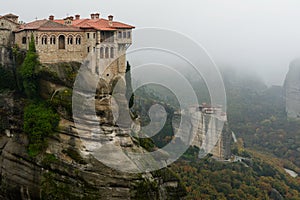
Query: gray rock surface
pixel 292 90
pixel 65 170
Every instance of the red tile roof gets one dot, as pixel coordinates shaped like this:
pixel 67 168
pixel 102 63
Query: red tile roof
pixel 47 25
pixel 77 25
pixel 98 24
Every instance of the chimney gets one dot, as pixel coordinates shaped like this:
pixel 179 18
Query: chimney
pixel 51 17
pixel 77 16
pixel 71 18
pixel 97 15
pixel 92 16
pixel 110 19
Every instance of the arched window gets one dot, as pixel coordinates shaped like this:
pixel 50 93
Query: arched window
pixel 70 40
pixel 112 53
pixel 101 52
pixel 44 39
pixel 52 39
pixel 61 42
pixel 78 40
pixel 106 52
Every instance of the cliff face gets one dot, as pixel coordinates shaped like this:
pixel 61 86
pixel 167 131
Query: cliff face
pixel 292 90
pixel 65 170
pixel 207 130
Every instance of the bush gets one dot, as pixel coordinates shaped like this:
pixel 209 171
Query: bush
pixel 39 122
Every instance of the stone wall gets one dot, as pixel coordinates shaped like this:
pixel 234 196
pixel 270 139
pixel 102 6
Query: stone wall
pixel 50 52
pixel 6 35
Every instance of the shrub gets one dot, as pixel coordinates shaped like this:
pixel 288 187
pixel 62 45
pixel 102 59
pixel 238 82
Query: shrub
pixel 39 122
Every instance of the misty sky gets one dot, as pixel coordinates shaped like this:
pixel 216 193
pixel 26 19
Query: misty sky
pixel 257 35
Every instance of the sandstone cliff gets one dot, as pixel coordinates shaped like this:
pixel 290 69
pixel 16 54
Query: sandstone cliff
pixel 210 132
pixel 292 90
pixel 64 171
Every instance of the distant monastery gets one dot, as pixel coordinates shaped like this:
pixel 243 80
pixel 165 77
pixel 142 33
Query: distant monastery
pixel 68 39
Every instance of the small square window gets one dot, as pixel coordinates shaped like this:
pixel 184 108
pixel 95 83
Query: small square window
pixel 24 40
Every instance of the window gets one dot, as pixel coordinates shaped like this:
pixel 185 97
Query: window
pixel 88 35
pixel 88 49
pixel 2 24
pixel 94 49
pixel 44 39
pixel 52 40
pixel 36 40
pixel 119 34
pixel 94 35
pixel 23 40
pixel 61 42
pixel 70 40
pixel 106 52
pixel 124 34
pixel 78 40
pixel 128 34
pixel 112 52
pixel 101 52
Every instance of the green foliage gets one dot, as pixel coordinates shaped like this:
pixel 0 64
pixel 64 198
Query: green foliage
pixel 49 158
pixel 146 190
pixel 62 100
pixel 53 189
pixel 147 143
pixel 209 179
pixel 28 71
pixel 257 114
pixel 39 122
pixel 7 80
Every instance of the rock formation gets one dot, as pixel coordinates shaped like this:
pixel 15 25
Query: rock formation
pixel 208 132
pixel 66 170
pixel 292 90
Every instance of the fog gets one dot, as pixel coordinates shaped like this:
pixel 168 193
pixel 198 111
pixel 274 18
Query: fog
pixel 258 36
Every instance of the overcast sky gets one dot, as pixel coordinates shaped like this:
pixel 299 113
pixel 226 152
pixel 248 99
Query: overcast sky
pixel 258 35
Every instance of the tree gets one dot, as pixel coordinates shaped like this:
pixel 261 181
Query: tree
pixel 28 71
pixel 129 92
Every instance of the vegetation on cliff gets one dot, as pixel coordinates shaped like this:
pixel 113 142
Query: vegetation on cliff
pixel 28 71
pixel 39 123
